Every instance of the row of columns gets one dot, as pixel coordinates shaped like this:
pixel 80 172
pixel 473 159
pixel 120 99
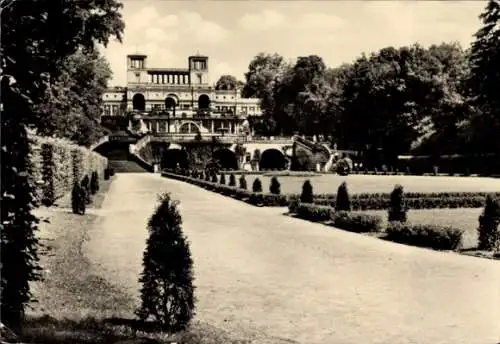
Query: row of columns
pixel 179 79
pixel 156 123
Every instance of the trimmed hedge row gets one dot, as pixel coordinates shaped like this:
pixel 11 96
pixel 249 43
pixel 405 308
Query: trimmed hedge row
pixel 254 198
pixel 57 164
pixel 359 223
pixel 430 236
pixel 412 203
pixel 413 195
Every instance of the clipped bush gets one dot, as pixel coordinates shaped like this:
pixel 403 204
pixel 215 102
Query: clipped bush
pixel 222 179
pixel 214 178
pixel 488 230
pixel 307 192
pixel 78 199
pixel 111 172
pixel 275 187
pixel 94 183
pixel 85 185
pixel 232 180
pixel 243 182
pixel 207 176
pixel 107 174
pixel 257 185
pixel 431 236
pixel 167 292
pixel 397 207
pixel 343 203
pixel 358 223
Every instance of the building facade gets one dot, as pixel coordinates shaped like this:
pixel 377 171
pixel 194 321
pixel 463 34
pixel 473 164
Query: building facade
pixel 179 100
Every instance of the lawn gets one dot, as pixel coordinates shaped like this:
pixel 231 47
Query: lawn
pixel 465 219
pixel 328 183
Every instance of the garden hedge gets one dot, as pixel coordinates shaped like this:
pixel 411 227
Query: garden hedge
pixel 57 164
pixel 359 223
pixel 254 198
pixel 431 236
pixel 414 200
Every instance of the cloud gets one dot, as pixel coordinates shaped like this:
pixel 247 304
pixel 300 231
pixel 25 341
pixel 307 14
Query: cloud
pixel 265 20
pixel 320 22
pixel 158 36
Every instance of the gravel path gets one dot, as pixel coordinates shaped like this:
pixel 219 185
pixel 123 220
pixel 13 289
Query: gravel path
pixel 268 276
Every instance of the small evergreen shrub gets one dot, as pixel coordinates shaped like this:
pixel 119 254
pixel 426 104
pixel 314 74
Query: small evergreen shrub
pixel 222 179
pixel 232 180
pixel 243 182
pixel 257 185
pixel 214 178
pixel 207 176
pixel 488 230
pixel 307 193
pixel 111 172
pixel 343 202
pixel 397 207
pixel 78 199
pixel 167 292
pixel 107 174
pixel 275 187
pixel 94 183
pixel 85 185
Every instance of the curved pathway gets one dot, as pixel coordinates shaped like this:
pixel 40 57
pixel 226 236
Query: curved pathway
pixel 268 276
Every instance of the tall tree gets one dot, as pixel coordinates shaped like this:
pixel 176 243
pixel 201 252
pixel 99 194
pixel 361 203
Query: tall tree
pixel 71 106
pixel 32 51
pixel 228 82
pixel 485 78
pixel 264 72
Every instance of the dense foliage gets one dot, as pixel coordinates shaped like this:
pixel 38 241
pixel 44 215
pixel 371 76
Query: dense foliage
pixel 257 185
pixel 307 193
pixel 433 100
pixel 38 37
pixel 274 186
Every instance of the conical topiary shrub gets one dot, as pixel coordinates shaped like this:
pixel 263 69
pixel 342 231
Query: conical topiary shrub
pixel 167 293
pixel 243 182
pixel 488 230
pixel 343 203
pixel 78 199
pixel 232 180
pixel 307 192
pixel 275 187
pixel 397 207
pixel 94 183
pixel 222 179
pixel 85 185
pixel 257 185
pixel 207 176
pixel 214 177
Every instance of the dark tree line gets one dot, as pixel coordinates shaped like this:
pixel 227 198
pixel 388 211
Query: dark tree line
pixel 440 99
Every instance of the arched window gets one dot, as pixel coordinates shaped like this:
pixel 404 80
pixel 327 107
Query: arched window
pixel 139 102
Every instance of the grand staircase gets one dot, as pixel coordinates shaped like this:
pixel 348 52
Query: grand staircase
pixel 126 166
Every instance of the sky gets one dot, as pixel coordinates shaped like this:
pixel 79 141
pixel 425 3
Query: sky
pixel 231 33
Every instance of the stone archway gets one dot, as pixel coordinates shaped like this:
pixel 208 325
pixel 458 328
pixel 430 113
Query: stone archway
pixel 226 159
pixel 139 102
pixel 272 159
pixel 170 103
pixel 173 158
pixel 203 102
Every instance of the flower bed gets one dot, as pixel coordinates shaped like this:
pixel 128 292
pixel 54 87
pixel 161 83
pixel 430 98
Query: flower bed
pixel 254 198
